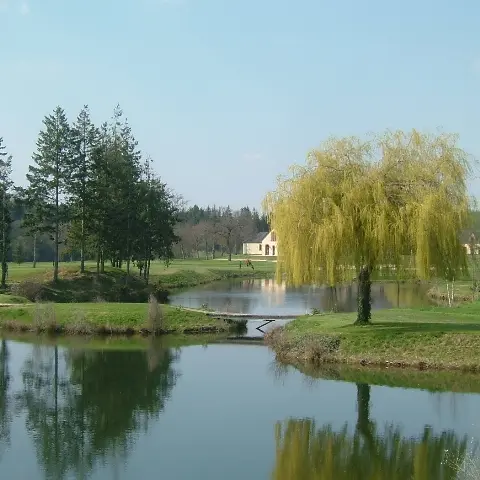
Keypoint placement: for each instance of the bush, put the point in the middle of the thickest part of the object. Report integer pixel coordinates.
(28, 289)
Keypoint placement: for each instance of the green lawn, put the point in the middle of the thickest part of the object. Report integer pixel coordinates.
(115, 318)
(25, 270)
(438, 337)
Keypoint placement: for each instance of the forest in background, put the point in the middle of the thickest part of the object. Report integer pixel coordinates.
(202, 232)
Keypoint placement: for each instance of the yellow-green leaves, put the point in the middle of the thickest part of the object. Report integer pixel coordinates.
(373, 203)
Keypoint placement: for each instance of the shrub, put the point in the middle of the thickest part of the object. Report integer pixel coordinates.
(155, 318)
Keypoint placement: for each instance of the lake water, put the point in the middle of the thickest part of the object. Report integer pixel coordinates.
(140, 410)
(265, 296)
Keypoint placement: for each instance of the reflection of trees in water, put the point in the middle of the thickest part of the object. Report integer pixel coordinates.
(5, 413)
(306, 452)
(91, 408)
(404, 295)
(344, 298)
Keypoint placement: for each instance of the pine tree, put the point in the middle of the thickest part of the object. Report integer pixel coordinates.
(157, 218)
(5, 208)
(85, 139)
(49, 175)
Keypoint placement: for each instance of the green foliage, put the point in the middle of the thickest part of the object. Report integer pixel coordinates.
(49, 178)
(18, 252)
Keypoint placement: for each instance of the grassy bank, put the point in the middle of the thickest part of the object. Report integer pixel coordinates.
(436, 338)
(116, 286)
(110, 319)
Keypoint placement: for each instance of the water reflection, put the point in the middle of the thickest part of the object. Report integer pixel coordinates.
(266, 296)
(307, 452)
(85, 406)
(5, 413)
(94, 413)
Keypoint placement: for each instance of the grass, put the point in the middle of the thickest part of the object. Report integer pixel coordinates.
(436, 337)
(24, 271)
(108, 318)
(12, 299)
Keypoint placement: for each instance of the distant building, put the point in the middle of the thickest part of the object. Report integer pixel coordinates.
(468, 248)
(263, 244)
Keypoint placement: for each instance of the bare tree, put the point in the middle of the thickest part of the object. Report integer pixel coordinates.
(184, 233)
(197, 236)
(228, 229)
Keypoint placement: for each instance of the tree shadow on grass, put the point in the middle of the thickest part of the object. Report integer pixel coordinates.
(415, 327)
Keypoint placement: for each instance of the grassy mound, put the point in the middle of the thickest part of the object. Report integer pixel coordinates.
(436, 337)
(110, 318)
(112, 286)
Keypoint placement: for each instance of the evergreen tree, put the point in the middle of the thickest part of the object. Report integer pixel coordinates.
(5, 208)
(48, 178)
(157, 219)
(85, 139)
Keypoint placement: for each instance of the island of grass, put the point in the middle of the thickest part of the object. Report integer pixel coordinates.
(103, 318)
(425, 338)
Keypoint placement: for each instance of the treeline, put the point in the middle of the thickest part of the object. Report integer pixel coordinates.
(211, 231)
(90, 195)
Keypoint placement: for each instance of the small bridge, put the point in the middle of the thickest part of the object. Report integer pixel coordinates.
(268, 318)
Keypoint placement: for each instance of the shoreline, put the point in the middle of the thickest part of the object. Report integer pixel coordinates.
(435, 339)
(112, 319)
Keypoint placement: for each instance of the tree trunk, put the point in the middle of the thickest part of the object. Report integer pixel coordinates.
(147, 268)
(102, 262)
(35, 250)
(55, 263)
(364, 426)
(229, 255)
(4, 246)
(364, 298)
(206, 250)
(82, 242)
(98, 260)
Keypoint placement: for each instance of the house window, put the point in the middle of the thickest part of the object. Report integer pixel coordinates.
(273, 237)
(260, 247)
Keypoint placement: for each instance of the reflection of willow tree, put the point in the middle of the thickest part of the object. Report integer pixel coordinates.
(305, 452)
(338, 299)
(96, 411)
(404, 295)
(5, 415)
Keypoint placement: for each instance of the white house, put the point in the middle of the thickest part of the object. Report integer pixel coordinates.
(468, 248)
(264, 244)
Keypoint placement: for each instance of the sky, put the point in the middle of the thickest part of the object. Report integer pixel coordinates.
(225, 95)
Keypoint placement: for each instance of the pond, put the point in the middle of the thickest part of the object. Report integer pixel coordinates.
(265, 296)
(259, 296)
(136, 409)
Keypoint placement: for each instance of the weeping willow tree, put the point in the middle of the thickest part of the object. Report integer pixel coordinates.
(396, 202)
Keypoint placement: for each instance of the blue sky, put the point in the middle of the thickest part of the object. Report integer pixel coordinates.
(225, 95)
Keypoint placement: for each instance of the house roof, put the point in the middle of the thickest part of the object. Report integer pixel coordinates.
(258, 238)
